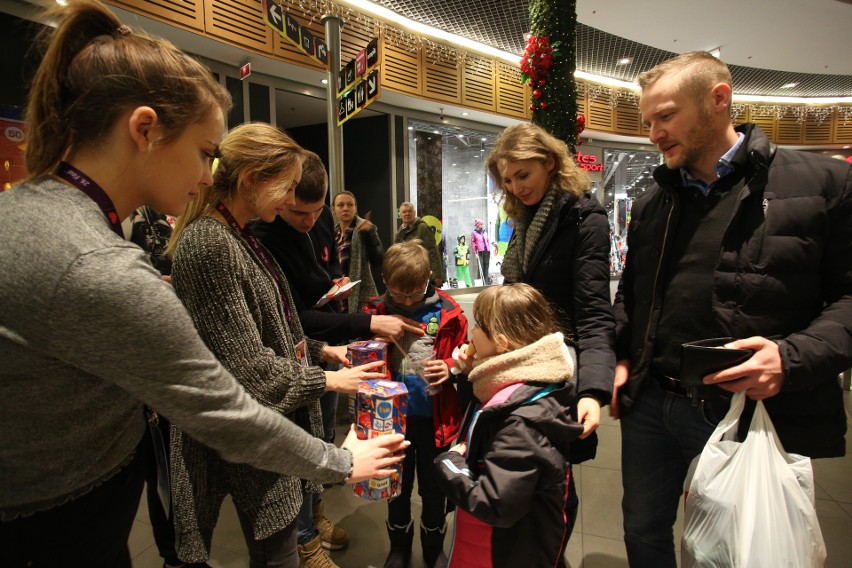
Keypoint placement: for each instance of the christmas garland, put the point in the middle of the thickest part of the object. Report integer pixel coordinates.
(535, 67)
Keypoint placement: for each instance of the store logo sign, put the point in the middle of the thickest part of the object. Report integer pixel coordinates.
(588, 162)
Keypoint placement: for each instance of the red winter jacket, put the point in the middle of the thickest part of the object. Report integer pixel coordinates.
(452, 332)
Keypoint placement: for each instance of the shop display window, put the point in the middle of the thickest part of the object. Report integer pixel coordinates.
(627, 175)
(451, 190)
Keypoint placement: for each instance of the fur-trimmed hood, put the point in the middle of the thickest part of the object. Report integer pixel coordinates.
(548, 360)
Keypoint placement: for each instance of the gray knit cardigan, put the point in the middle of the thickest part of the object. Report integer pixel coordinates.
(238, 311)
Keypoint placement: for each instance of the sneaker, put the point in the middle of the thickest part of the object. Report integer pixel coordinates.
(311, 555)
(331, 536)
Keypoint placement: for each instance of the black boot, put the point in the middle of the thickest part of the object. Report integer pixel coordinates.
(401, 537)
(432, 540)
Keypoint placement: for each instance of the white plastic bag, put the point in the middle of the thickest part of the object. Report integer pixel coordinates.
(750, 504)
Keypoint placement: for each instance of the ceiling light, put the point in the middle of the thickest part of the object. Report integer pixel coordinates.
(625, 61)
(324, 81)
(788, 85)
(465, 113)
(435, 132)
(483, 139)
(411, 128)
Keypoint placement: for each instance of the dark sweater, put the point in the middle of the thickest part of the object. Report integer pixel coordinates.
(687, 313)
(310, 263)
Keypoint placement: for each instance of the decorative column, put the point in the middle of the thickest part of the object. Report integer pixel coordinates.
(552, 29)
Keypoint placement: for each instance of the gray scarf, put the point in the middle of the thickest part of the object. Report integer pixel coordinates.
(526, 237)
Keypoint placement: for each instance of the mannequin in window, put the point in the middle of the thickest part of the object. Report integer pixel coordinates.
(462, 253)
(481, 247)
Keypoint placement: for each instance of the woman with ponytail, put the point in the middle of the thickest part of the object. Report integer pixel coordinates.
(240, 302)
(116, 120)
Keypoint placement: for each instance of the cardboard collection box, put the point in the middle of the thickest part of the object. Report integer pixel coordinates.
(380, 408)
(363, 352)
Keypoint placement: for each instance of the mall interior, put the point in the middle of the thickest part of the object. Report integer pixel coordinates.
(430, 105)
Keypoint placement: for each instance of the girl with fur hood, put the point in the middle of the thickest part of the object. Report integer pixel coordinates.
(510, 475)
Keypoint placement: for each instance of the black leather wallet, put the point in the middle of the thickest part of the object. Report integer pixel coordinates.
(701, 358)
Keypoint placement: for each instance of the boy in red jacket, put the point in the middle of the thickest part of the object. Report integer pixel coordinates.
(433, 420)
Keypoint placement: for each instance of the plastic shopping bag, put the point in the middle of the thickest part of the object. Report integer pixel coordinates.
(750, 504)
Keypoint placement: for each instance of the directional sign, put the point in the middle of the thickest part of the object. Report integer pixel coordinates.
(341, 82)
(350, 73)
(273, 16)
(307, 41)
(341, 111)
(358, 82)
(361, 94)
(321, 51)
(361, 63)
(292, 29)
(350, 103)
(373, 85)
(289, 28)
(372, 53)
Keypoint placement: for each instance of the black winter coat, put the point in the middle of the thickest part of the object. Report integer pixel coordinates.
(784, 271)
(514, 476)
(570, 267)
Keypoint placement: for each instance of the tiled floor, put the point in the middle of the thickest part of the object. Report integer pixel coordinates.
(597, 540)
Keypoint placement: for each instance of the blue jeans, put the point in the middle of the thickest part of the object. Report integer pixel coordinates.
(660, 436)
(305, 519)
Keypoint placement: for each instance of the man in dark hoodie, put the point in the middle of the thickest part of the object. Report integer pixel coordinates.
(302, 241)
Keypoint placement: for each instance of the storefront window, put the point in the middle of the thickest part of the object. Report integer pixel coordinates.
(452, 191)
(627, 174)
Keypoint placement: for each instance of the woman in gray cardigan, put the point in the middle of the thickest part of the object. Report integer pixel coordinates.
(240, 302)
(82, 335)
(358, 248)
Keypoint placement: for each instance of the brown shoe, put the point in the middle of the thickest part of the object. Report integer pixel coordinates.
(311, 555)
(331, 536)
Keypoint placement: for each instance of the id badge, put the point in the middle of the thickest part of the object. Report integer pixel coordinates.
(302, 353)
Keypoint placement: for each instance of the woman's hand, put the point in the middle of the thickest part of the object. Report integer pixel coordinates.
(346, 380)
(588, 414)
(459, 448)
(374, 457)
(335, 354)
(365, 224)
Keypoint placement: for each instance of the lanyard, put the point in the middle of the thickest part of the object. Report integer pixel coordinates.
(255, 246)
(95, 192)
